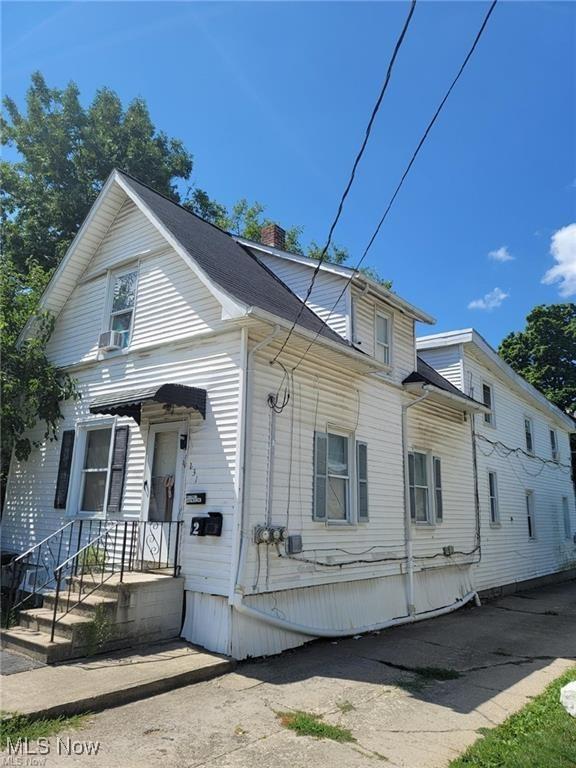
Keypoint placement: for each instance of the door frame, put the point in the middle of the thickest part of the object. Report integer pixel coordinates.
(180, 428)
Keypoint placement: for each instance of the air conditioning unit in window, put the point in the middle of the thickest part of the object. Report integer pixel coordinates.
(110, 340)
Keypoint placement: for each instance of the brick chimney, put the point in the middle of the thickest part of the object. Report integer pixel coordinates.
(274, 236)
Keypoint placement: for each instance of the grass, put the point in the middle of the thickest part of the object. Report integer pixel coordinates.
(308, 724)
(541, 735)
(14, 726)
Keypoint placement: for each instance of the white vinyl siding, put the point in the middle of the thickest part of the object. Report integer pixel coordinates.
(493, 498)
(325, 300)
(508, 554)
(566, 517)
(171, 302)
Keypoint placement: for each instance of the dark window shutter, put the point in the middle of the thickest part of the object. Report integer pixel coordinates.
(64, 467)
(118, 469)
(320, 475)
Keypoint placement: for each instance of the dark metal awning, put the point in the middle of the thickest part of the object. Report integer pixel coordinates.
(129, 403)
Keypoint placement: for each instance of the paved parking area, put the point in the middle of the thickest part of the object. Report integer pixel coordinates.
(493, 660)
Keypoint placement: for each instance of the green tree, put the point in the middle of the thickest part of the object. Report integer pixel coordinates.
(66, 153)
(32, 387)
(544, 353)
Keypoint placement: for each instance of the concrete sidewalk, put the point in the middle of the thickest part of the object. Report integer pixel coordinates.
(494, 660)
(108, 681)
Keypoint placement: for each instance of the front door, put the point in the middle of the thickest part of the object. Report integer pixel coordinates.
(163, 490)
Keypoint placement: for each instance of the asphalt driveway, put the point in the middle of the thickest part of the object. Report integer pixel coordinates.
(414, 696)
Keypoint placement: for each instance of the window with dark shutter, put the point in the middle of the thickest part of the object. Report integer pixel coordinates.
(118, 470)
(64, 466)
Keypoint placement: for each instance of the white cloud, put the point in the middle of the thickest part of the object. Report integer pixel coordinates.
(501, 254)
(563, 249)
(491, 300)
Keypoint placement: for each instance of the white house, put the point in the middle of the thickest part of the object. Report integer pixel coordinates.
(309, 474)
(523, 458)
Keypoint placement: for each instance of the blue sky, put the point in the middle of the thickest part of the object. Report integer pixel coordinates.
(272, 98)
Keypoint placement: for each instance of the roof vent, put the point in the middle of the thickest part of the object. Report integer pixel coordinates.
(274, 236)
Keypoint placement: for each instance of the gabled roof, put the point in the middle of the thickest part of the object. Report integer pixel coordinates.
(491, 357)
(233, 268)
(348, 273)
(425, 374)
(232, 272)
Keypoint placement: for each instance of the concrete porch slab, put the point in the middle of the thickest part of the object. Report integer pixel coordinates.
(108, 681)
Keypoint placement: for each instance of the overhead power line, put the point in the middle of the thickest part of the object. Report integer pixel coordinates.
(405, 174)
(353, 172)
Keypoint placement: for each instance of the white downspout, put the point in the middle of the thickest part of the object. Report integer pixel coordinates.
(247, 358)
(408, 538)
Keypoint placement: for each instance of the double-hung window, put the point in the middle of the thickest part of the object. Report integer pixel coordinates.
(530, 514)
(493, 496)
(383, 337)
(123, 290)
(425, 483)
(95, 470)
(336, 466)
(554, 445)
(488, 400)
(529, 434)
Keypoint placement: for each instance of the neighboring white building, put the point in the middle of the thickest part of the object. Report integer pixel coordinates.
(220, 394)
(524, 468)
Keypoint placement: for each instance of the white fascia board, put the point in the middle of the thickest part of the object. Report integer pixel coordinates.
(356, 278)
(471, 336)
(461, 403)
(447, 339)
(360, 357)
(231, 306)
(68, 256)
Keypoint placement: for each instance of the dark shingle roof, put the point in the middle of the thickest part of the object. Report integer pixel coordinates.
(232, 267)
(425, 374)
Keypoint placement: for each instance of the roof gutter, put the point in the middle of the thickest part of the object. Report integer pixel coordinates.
(343, 348)
(464, 403)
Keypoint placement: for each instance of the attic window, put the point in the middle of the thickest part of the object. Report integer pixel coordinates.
(123, 291)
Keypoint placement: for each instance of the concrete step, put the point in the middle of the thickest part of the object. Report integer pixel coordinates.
(36, 644)
(68, 625)
(131, 579)
(86, 606)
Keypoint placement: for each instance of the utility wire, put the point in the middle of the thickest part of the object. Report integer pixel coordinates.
(401, 182)
(352, 174)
